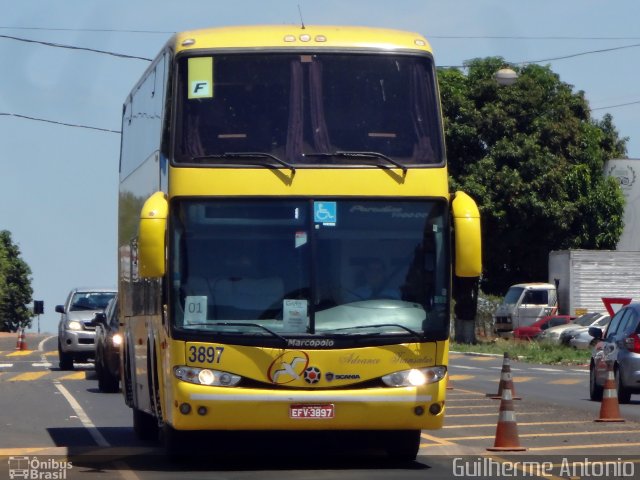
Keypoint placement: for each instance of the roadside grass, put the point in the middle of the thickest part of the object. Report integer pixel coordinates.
(528, 351)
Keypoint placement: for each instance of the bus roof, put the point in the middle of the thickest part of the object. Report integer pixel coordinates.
(313, 36)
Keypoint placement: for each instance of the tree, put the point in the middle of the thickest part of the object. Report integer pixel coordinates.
(533, 159)
(15, 286)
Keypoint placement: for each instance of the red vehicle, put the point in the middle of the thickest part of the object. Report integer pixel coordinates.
(537, 327)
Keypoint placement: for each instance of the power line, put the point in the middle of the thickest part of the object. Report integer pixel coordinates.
(26, 117)
(589, 52)
(71, 47)
(563, 57)
(616, 106)
(444, 37)
(122, 55)
(523, 37)
(106, 30)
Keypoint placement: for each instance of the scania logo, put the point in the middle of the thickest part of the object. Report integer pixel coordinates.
(330, 376)
(288, 367)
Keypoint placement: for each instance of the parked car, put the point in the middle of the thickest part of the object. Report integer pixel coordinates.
(76, 332)
(552, 334)
(579, 337)
(539, 326)
(619, 347)
(107, 346)
(567, 334)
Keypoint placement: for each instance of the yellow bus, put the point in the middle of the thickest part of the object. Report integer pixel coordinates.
(287, 239)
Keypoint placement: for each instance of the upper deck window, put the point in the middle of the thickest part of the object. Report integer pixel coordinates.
(308, 109)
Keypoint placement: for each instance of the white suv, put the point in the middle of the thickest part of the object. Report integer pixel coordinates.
(76, 334)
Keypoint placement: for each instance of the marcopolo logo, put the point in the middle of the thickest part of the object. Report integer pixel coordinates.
(37, 468)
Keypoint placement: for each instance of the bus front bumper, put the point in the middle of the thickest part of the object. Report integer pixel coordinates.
(196, 407)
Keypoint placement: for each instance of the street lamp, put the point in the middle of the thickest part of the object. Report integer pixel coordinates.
(506, 76)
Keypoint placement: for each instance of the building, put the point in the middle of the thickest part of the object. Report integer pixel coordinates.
(627, 172)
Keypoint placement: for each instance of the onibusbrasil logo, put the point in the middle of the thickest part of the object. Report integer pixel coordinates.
(38, 468)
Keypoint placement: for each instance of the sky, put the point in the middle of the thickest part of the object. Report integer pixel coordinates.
(59, 184)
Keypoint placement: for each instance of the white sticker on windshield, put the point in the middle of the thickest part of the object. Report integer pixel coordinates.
(195, 309)
(301, 239)
(295, 315)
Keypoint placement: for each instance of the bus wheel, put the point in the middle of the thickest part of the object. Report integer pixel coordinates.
(145, 426)
(402, 445)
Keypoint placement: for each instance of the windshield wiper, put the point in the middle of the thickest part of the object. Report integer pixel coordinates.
(350, 154)
(407, 329)
(248, 155)
(256, 325)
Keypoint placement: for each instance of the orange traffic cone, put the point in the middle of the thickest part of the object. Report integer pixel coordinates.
(506, 380)
(609, 407)
(507, 429)
(21, 345)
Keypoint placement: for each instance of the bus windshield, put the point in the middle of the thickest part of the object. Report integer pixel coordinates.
(322, 268)
(313, 109)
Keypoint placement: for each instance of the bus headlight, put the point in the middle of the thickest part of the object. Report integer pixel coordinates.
(206, 376)
(415, 377)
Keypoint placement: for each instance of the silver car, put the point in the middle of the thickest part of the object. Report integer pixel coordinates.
(578, 337)
(618, 346)
(76, 333)
(552, 335)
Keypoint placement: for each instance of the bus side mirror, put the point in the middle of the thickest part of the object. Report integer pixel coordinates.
(466, 224)
(151, 236)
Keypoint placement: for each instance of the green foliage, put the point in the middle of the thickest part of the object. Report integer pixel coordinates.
(533, 159)
(15, 286)
(529, 351)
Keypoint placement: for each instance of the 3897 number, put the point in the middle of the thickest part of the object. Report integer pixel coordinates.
(202, 354)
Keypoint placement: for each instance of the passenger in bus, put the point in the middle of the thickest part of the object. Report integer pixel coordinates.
(375, 284)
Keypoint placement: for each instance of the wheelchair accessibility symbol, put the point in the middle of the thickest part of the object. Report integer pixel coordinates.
(325, 212)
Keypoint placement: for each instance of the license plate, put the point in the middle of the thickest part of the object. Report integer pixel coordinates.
(312, 411)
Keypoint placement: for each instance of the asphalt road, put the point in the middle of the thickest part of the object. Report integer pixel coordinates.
(50, 418)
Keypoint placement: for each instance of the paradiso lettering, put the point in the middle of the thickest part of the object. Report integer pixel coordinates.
(395, 212)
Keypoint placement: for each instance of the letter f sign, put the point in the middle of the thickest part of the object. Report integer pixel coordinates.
(200, 88)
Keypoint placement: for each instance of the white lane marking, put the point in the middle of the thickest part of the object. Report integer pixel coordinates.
(554, 370)
(122, 468)
(6, 365)
(41, 344)
(465, 367)
(82, 416)
(44, 361)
